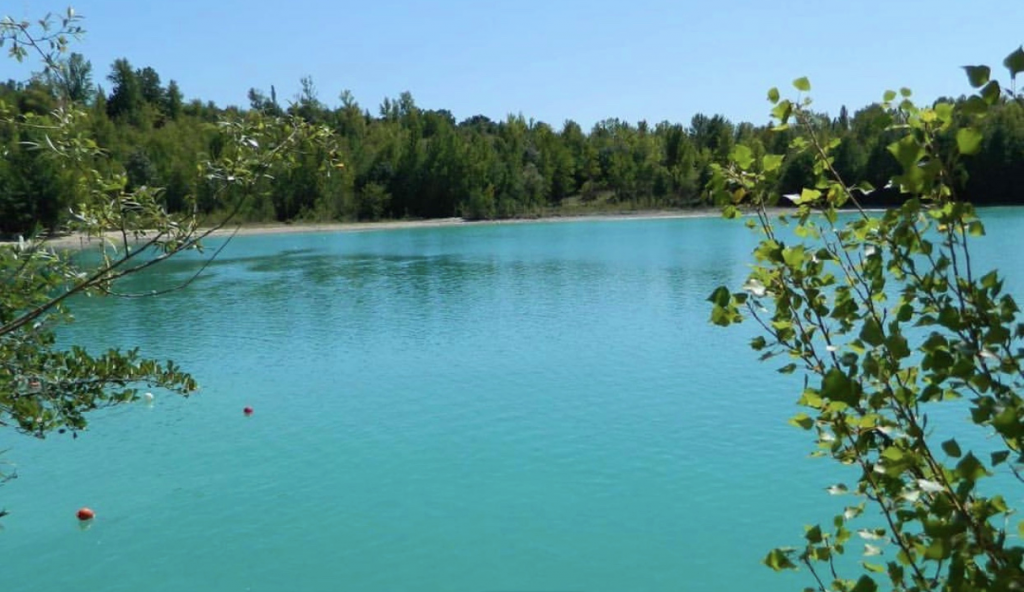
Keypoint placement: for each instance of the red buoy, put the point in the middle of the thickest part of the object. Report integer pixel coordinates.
(85, 514)
(247, 411)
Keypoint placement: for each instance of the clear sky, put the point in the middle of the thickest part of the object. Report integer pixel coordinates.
(550, 60)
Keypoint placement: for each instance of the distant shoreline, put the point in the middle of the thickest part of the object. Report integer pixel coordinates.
(79, 241)
(300, 228)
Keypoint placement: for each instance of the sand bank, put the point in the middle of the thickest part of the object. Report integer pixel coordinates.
(73, 240)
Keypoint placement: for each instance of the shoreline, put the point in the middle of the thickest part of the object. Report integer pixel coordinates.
(314, 227)
(78, 240)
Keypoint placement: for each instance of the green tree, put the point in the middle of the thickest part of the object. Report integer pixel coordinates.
(140, 171)
(77, 78)
(885, 315)
(173, 101)
(149, 86)
(261, 102)
(126, 98)
(372, 202)
(307, 105)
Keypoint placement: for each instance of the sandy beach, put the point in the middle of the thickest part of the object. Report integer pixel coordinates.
(75, 241)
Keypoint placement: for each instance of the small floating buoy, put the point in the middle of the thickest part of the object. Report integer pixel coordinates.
(148, 398)
(247, 410)
(86, 514)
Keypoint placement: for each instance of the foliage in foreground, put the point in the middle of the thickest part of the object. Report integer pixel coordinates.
(45, 387)
(885, 316)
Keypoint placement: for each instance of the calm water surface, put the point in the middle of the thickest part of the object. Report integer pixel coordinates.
(528, 407)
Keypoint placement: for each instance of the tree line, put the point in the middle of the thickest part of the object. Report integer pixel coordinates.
(408, 162)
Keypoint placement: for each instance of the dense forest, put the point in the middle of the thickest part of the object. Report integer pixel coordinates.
(408, 162)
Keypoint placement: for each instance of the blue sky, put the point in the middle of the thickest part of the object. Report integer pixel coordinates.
(552, 60)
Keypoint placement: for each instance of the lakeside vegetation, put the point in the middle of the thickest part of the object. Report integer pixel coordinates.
(884, 316)
(402, 161)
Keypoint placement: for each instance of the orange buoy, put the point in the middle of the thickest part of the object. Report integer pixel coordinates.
(247, 411)
(85, 514)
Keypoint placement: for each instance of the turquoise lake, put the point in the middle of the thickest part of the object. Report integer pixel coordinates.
(534, 407)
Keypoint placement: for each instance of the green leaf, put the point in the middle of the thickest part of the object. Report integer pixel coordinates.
(906, 92)
(873, 567)
(893, 453)
(772, 162)
(810, 398)
(724, 316)
(1015, 62)
(782, 111)
(974, 105)
(778, 559)
(888, 96)
(978, 75)
(970, 468)
(773, 95)
(837, 386)
(808, 196)
(907, 152)
(802, 84)
(871, 333)
(939, 549)
(904, 313)
(1007, 423)
(742, 156)
(794, 257)
(865, 584)
(720, 297)
(968, 140)
(897, 345)
(865, 187)
(951, 448)
(802, 420)
(991, 92)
